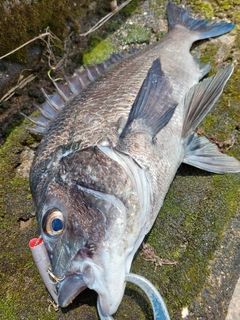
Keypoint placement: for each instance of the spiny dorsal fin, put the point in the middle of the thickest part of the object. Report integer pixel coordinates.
(153, 106)
(201, 97)
(65, 92)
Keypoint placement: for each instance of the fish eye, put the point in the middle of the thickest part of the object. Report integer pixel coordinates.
(55, 223)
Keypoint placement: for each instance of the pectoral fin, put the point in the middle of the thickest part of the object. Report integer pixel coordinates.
(201, 153)
(201, 98)
(153, 107)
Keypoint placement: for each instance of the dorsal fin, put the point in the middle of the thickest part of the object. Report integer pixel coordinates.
(153, 106)
(65, 92)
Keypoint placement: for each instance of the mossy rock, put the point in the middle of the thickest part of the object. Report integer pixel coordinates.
(20, 22)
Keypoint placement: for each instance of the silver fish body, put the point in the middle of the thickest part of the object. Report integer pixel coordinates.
(108, 158)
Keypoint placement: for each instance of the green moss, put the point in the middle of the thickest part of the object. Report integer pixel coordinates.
(7, 311)
(159, 34)
(228, 107)
(208, 53)
(158, 7)
(93, 41)
(204, 8)
(114, 25)
(31, 139)
(99, 53)
(18, 275)
(11, 309)
(10, 184)
(223, 4)
(132, 7)
(12, 144)
(137, 34)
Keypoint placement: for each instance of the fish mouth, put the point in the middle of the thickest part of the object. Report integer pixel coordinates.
(74, 283)
(110, 290)
(69, 289)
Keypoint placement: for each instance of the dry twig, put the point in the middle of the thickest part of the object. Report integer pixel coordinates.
(105, 19)
(149, 255)
(20, 85)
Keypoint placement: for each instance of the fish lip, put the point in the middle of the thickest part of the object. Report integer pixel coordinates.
(69, 288)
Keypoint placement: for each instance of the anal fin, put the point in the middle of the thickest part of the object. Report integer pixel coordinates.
(201, 153)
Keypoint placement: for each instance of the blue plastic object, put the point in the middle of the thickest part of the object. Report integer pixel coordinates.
(159, 308)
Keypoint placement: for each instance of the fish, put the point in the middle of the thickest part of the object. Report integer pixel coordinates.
(113, 139)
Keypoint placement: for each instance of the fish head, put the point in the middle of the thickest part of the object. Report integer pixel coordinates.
(83, 234)
(91, 210)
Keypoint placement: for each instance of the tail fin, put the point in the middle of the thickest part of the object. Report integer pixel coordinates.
(202, 28)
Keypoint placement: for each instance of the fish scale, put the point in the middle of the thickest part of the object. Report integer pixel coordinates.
(107, 159)
(115, 93)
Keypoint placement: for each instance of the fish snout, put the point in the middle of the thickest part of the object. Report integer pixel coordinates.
(110, 288)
